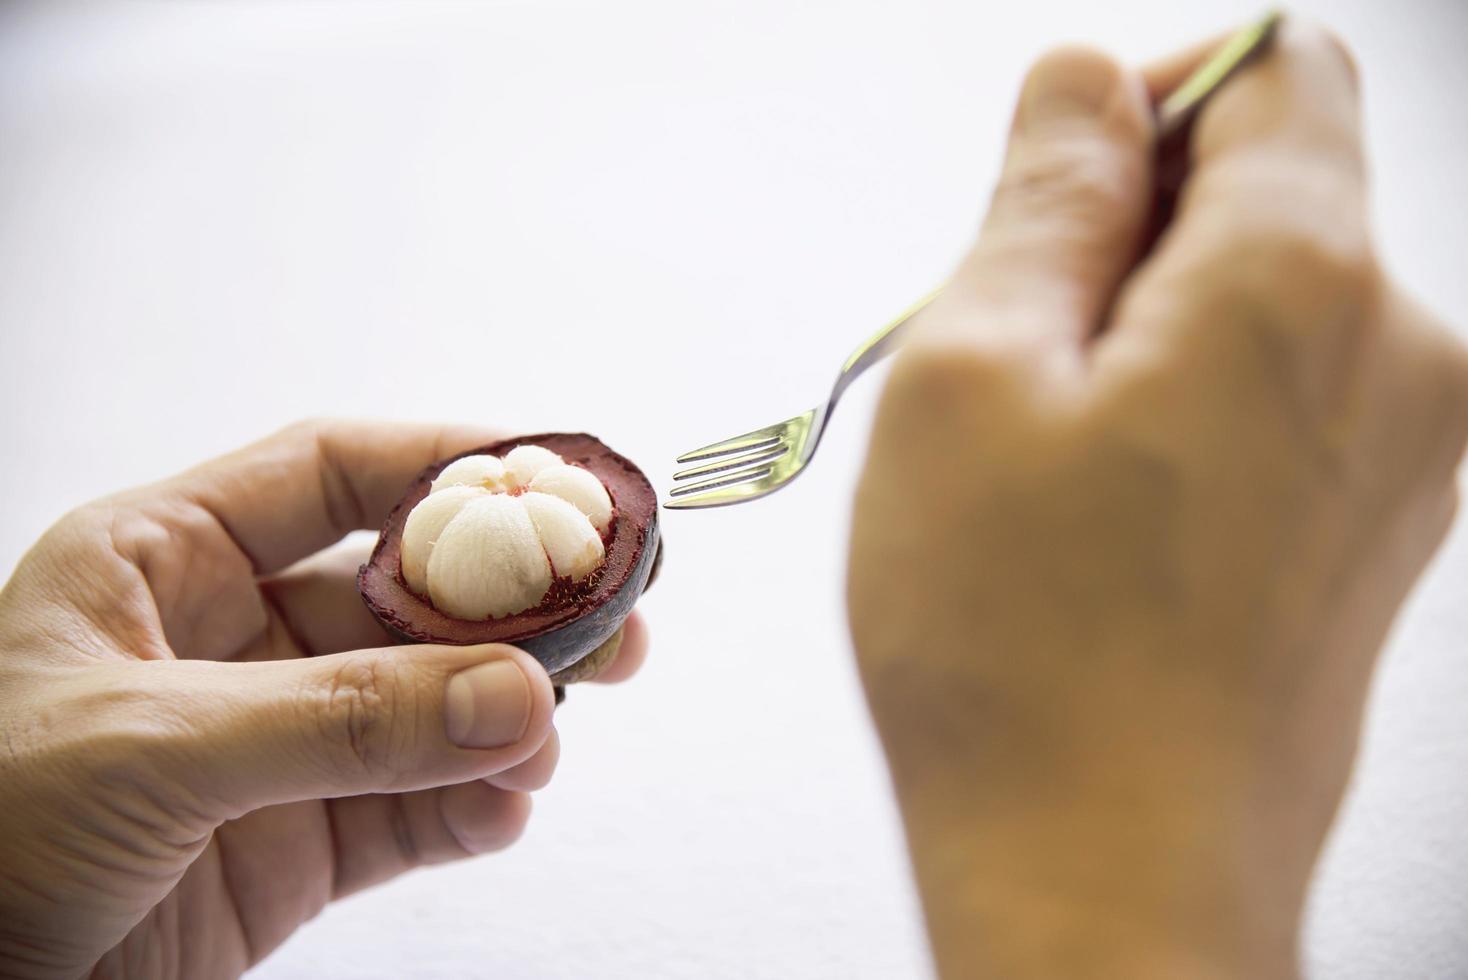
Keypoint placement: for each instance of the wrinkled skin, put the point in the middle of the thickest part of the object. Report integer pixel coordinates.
(206, 739)
(1170, 507)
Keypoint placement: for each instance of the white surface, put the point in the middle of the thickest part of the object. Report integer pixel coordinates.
(217, 218)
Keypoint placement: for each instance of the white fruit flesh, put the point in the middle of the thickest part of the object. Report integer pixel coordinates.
(474, 471)
(423, 527)
(571, 543)
(579, 487)
(478, 546)
(524, 462)
(488, 562)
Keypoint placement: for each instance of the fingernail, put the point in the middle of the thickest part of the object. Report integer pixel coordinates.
(1070, 84)
(487, 706)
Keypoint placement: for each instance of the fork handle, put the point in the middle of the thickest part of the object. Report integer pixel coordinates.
(877, 346)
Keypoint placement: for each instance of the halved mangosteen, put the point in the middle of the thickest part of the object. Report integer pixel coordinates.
(543, 541)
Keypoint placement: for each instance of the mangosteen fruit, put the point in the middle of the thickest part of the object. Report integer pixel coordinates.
(543, 541)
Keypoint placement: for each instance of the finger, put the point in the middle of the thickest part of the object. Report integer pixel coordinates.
(1274, 203)
(1068, 212)
(630, 656)
(318, 602)
(535, 772)
(244, 735)
(305, 487)
(376, 838)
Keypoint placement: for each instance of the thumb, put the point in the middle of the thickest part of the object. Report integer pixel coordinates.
(1073, 198)
(247, 735)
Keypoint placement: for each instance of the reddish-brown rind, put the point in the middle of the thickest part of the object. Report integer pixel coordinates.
(572, 621)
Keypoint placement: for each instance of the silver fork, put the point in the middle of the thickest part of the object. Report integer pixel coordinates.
(762, 461)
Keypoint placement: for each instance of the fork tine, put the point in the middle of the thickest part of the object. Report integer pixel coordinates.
(765, 454)
(757, 439)
(721, 497)
(715, 493)
(746, 475)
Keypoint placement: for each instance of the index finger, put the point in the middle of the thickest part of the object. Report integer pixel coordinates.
(307, 486)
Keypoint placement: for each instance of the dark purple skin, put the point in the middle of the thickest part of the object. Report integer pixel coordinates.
(573, 620)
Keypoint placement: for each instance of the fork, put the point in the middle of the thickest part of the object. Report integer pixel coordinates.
(759, 462)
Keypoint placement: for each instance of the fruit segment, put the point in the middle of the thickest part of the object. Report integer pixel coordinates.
(493, 534)
(524, 462)
(579, 487)
(488, 561)
(424, 526)
(487, 472)
(573, 546)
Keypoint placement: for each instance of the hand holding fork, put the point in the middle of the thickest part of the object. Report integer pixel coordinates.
(761, 461)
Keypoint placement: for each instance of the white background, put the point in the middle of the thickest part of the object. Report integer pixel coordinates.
(661, 221)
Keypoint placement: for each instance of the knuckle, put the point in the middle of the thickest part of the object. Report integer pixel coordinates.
(304, 432)
(946, 362)
(1455, 370)
(943, 374)
(1309, 281)
(987, 390)
(1315, 44)
(79, 539)
(1074, 67)
(320, 436)
(82, 525)
(308, 431)
(978, 344)
(363, 715)
(142, 528)
(1450, 352)
(304, 428)
(1321, 264)
(1448, 357)
(1062, 184)
(1344, 55)
(1081, 156)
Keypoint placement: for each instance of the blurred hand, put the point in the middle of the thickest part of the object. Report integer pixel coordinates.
(191, 766)
(1130, 535)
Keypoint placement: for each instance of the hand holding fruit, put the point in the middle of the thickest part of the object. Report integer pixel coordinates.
(207, 736)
